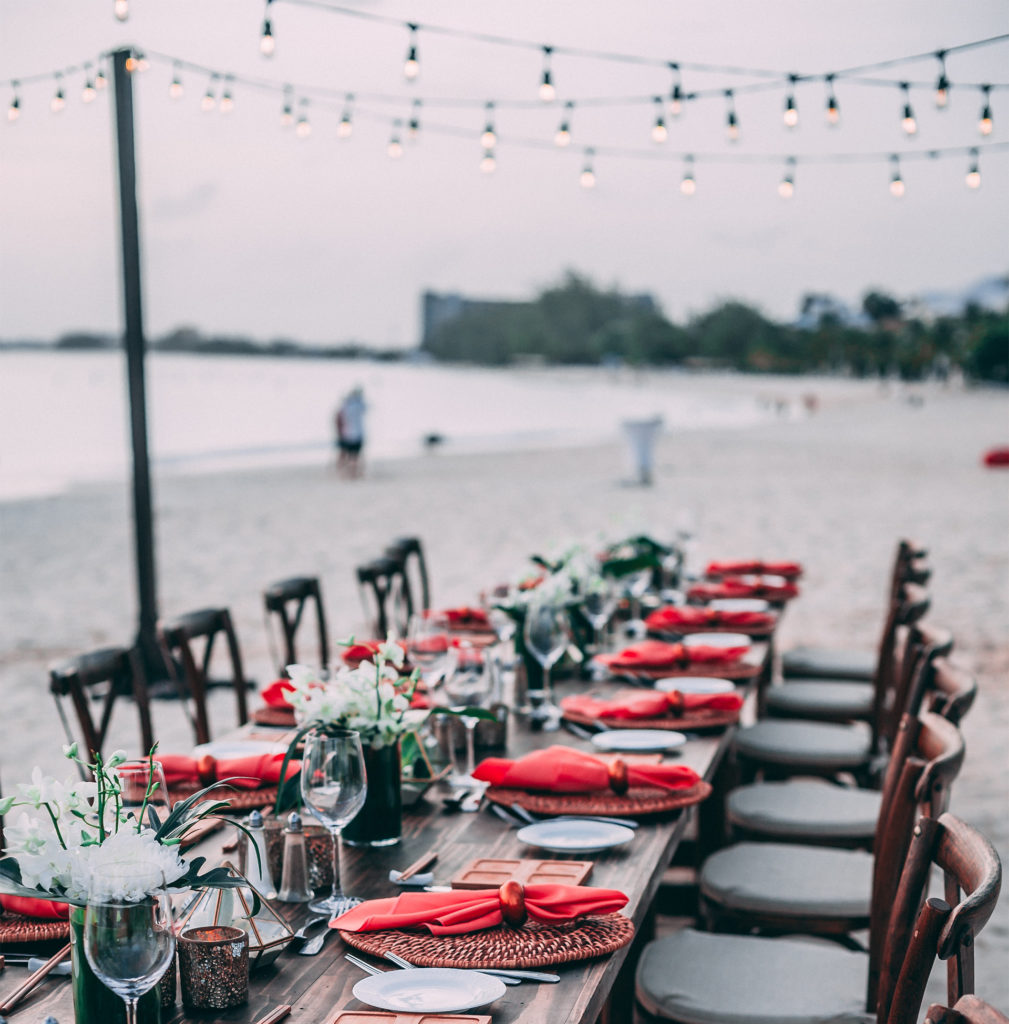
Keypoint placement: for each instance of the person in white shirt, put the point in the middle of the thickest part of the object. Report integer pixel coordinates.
(350, 434)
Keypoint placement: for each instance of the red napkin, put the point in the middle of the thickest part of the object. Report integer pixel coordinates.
(676, 616)
(791, 570)
(565, 770)
(275, 695)
(364, 651)
(249, 772)
(654, 654)
(465, 617)
(732, 586)
(471, 910)
(650, 704)
(46, 910)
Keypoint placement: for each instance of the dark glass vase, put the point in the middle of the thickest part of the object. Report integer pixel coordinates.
(380, 820)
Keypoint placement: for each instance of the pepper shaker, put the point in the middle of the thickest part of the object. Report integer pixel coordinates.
(294, 887)
(258, 868)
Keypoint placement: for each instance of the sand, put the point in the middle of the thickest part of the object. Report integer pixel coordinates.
(835, 491)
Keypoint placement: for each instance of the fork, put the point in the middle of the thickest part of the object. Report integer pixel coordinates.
(310, 923)
(509, 977)
(313, 945)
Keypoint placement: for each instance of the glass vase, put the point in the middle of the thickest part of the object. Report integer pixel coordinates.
(380, 820)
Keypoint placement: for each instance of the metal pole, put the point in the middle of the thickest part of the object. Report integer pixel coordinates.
(134, 343)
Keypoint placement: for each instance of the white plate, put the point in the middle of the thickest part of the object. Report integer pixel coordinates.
(235, 748)
(429, 990)
(739, 604)
(695, 684)
(575, 836)
(716, 640)
(642, 741)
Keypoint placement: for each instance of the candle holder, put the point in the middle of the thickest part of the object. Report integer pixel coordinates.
(214, 967)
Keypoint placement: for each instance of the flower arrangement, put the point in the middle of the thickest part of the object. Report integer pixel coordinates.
(84, 846)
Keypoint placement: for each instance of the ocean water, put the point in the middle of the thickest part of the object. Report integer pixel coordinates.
(64, 418)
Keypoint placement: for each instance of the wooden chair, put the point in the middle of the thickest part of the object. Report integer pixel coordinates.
(693, 976)
(846, 663)
(815, 889)
(285, 601)
(968, 1010)
(816, 812)
(180, 639)
(410, 552)
(107, 675)
(385, 596)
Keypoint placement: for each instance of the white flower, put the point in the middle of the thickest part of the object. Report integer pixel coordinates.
(392, 652)
(41, 790)
(128, 866)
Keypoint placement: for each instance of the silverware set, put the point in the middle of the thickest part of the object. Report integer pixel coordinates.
(518, 815)
(509, 977)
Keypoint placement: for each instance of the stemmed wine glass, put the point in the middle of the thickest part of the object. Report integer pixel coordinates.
(129, 945)
(333, 786)
(429, 646)
(143, 792)
(598, 604)
(469, 686)
(546, 634)
(636, 585)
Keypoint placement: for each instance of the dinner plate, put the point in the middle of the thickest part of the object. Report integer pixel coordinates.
(716, 640)
(575, 836)
(695, 684)
(236, 748)
(429, 990)
(739, 604)
(641, 741)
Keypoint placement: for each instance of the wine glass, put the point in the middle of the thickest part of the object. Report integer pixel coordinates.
(546, 635)
(597, 606)
(333, 786)
(143, 792)
(636, 585)
(429, 647)
(469, 686)
(130, 945)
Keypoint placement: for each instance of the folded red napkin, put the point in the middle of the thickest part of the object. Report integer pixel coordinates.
(249, 772)
(363, 651)
(565, 770)
(471, 910)
(275, 695)
(732, 586)
(44, 910)
(654, 654)
(675, 616)
(465, 617)
(650, 704)
(791, 570)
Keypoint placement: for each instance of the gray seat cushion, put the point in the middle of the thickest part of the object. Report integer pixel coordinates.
(829, 663)
(699, 978)
(805, 810)
(810, 698)
(798, 744)
(794, 881)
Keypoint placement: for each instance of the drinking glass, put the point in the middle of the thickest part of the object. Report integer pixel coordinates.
(469, 686)
(429, 646)
(143, 792)
(129, 945)
(546, 634)
(636, 585)
(333, 786)
(598, 605)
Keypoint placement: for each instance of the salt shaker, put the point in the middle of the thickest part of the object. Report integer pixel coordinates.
(258, 868)
(294, 887)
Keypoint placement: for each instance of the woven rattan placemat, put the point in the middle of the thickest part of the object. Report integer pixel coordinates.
(240, 799)
(14, 928)
(636, 802)
(273, 716)
(696, 721)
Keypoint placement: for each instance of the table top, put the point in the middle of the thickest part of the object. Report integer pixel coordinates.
(318, 986)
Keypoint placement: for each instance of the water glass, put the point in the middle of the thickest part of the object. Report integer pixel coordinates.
(546, 633)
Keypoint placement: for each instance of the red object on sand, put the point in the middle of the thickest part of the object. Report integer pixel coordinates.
(996, 457)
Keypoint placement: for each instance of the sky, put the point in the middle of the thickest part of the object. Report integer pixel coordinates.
(248, 229)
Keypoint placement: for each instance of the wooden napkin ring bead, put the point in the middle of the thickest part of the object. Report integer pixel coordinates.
(206, 768)
(513, 904)
(618, 776)
(675, 701)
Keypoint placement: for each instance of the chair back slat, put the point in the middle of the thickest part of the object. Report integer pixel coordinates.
(410, 551)
(379, 582)
(286, 601)
(952, 689)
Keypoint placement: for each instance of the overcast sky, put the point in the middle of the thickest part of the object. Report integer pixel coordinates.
(248, 229)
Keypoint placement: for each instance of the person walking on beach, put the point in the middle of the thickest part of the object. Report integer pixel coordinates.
(350, 434)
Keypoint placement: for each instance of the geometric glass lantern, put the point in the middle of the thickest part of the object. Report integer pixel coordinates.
(269, 934)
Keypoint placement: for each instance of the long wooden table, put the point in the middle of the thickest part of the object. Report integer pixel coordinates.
(318, 986)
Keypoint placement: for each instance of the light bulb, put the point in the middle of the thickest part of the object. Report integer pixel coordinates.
(659, 132)
(942, 82)
(121, 9)
(100, 80)
(833, 110)
(412, 67)
(897, 187)
(587, 179)
(547, 90)
(974, 177)
(175, 89)
(208, 102)
(413, 128)
(304, 127)
(132, 64)
(676, 100)
(563, 135)
(89, 92)
(227, 103)
(395, 148)
(688, 186)
(487, 162)
(345, 128)
(489, 136)
(909, 124)
(791, 116)
(14, 110)
(986, 123)
(58, 102)
(786, 188)
(143, 64)
(732, 127)
(267, 44)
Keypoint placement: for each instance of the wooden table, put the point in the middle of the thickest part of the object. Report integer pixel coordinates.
(317, 986)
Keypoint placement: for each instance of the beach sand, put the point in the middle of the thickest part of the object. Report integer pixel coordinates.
(835, 491)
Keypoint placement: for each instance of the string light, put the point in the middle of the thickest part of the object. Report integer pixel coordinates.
(488, 164)
(304, 127)
(731, 121)
(14, 110)
(412, 66)
(287, 111)
(896, 181)
(89, 92)
(100, 80)
(547, 91)
(942, 82)
(58, 102)
(688, 186)
(413, 125)
(121, 9)
(395, 147)
(974, 171)
(676, 92)
(227, 102)
(563, 135)
(267, 44)
(659, 132)
(986, 124)
(143, 64)
(175, 89)
(132, 64)
(587, 179)
(209, 100)
(786, 187)
(489, 136)
(345, 128)
(909, 124)
(791, 112)
(833, 110)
